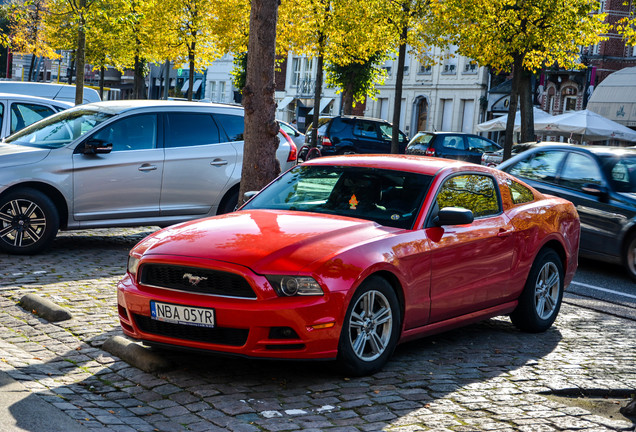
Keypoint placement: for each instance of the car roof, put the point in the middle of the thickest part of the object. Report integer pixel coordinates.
(600, 150)
(120, 106)
(35, 99)
(399, 162)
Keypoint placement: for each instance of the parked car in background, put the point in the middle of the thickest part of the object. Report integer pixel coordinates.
(351, 134)
(59, 92)
(600, 181)
(294, 134)
(492, 159)
(343, 258)
(18, 111)
(120, 163)
(451, 145)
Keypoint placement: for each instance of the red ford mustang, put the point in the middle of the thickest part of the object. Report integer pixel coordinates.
(345, 257)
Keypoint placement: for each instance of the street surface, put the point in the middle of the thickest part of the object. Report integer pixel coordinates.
(485, 377)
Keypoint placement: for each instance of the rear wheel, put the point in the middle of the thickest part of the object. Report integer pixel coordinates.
(229, 202)
(629, 256)
(540, 300)
(28, 222)
(371, 328)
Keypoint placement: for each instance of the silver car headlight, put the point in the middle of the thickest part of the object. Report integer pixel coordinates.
(288, 286)
(133, 265)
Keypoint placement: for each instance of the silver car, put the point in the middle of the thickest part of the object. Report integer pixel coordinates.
(19, 111)
(120, 163)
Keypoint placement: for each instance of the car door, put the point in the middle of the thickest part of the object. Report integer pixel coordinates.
(200, 160)
(471, 263)
(122, 184)
(367, 138)
(601, 220)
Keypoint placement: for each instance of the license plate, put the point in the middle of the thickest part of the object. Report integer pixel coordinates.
(194, 316)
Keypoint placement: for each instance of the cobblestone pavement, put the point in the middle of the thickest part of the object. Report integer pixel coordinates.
(486, 377)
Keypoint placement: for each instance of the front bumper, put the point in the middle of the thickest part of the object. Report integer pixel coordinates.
(266, 327)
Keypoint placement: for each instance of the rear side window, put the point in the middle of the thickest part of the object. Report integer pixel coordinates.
(337, 126)
(365, 129)
(578, 170)
(453, 142)
(519, 193)
(191, 129)
(474, 192)
(542, 166)
(232, 126)
(24, 114)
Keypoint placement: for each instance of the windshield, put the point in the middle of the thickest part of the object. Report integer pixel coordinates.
(390, 198)
(621, 171)
(59, 129)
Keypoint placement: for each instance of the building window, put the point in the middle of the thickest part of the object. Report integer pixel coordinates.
(212, 90)
(222, 91)
(470, 67)
(569, 103)
(296, 65)
(424, 69)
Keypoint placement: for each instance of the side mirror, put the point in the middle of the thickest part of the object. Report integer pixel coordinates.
(453, 216)
(593, 189)
(249, 195)
(97, 146)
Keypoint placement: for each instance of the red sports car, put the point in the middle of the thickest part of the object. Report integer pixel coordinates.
(345, 257)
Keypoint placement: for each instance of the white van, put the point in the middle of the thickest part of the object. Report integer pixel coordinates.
(61, 92)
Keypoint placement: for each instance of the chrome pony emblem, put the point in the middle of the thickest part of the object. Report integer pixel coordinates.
(194, 280)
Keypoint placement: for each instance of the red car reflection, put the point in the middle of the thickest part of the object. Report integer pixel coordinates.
(345, 257)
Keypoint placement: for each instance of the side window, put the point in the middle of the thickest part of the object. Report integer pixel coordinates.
(365, 129)
(386, 131)
(481, 145)
(578, 170)
(623, 175)
(540, 166)
(475, 192)
(191, 129)
(232, 127)
(131, 133)
(519, 193)
(23, 114)
(453, 142)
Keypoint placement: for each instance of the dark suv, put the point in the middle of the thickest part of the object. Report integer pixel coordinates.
(351, 134)
(451, 145)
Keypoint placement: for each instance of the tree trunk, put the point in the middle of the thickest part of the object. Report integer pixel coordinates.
(525, 101)
(80, 58)
(70, 69)
(102, 71)
(31, 67)
(397, 105)
(317, 91)
(260, 165)
(139, 85)
(512, 107)
(191, 72)
(167, 79)
(347, 97)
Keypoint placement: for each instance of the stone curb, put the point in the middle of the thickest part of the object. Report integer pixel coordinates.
(44, 308)
(135, 354)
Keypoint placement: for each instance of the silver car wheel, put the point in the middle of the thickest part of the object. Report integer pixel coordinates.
(22, 222)
(546, 292)
(631, 257)
(370, 325)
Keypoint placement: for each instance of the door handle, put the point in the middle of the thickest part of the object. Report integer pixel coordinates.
(218, 162)
(504, 233)
(147, 167)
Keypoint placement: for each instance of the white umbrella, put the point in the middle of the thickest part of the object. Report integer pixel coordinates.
(499, 123)
(590, 125)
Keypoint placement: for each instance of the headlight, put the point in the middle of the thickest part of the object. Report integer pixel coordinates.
(133, 265)
(287, 286)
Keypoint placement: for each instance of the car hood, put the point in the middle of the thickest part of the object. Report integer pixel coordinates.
(12, 155)
(264, 239)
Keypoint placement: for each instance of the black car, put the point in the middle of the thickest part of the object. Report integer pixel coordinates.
(451, 145)
(351, 134)
(600, 181)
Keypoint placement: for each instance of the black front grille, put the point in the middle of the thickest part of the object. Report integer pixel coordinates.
(215, 335)
(196, 280)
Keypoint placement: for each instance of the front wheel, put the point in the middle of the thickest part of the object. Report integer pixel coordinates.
(629, 256)
(371, 328)
(28, 222)
(541, 297)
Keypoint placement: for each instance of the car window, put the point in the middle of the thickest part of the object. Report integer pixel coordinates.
(191, 129)
(622, 173)
(365, 129)
(453, 142)
(480, 145)
(578, 170)
(475, 192)
(519, 193)
(24, 114)
(289, 131)
(337, 126)
(386, 131)
(422, 138)
(131, 133)
(542, 165)
(232, 126)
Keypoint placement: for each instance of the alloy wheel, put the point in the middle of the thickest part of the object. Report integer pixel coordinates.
(547, 290)
(22, 222)
(370, 325)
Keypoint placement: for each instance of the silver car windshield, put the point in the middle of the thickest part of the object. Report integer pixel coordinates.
(388, 197)
(60, 129)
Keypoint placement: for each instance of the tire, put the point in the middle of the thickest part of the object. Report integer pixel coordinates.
(541, 297)
(367, 343)
(229, 203)
(28, 222)
(629, 256)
